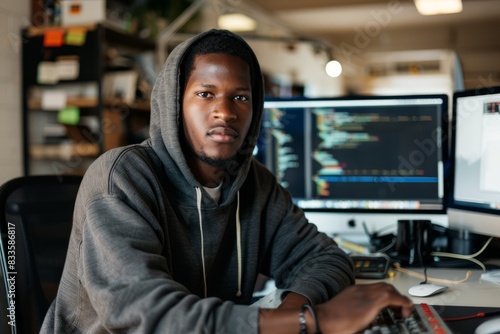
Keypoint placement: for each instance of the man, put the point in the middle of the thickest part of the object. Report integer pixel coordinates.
(170, 235)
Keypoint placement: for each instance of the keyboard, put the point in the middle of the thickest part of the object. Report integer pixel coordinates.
(424, 320)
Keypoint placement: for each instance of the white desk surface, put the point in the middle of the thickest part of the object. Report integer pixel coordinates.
(472, 292)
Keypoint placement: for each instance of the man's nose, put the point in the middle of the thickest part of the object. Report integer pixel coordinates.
(224, 110)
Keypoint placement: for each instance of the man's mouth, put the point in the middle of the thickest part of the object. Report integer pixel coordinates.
(223, 134)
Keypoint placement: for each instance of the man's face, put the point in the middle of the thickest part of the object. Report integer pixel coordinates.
(217, 107)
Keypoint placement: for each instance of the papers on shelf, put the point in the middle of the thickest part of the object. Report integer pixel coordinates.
(54, 99)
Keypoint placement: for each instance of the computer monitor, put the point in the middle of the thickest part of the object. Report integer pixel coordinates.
(475, 159)
(377, 154)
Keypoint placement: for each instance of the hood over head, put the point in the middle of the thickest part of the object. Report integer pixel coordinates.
(166, 103)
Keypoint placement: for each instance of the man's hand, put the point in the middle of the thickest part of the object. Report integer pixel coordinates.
(357, 306)
(350, 311)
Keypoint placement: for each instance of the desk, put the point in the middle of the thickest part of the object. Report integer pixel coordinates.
(461, 299)
(472, 292)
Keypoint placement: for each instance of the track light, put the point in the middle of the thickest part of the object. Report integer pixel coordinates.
(236, 22)
(436, 7)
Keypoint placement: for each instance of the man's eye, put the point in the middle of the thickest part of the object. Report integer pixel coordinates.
(203, 94)
(242, 98)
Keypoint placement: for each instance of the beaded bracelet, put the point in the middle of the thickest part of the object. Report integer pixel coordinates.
(302, 322)
(302, 319)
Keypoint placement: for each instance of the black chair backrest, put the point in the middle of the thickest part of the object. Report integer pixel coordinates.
(35, 224)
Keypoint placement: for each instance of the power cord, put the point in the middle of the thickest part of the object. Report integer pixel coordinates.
(473, 316)
(388, 247)
(376, 233)
(397, 267)
(470, 257)
(376, 240)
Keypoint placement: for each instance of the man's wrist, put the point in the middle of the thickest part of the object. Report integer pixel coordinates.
(293, 300)
(308, 320)
(302, 322)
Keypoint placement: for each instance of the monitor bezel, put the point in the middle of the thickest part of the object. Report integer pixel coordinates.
(452, 203)
(444, 148)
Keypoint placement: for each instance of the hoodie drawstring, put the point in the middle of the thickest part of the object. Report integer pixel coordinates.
(238, 241)
(198, 205)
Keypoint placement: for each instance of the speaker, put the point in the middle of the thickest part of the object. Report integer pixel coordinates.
(414, 242)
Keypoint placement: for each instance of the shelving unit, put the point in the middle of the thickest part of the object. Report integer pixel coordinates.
(52, 144)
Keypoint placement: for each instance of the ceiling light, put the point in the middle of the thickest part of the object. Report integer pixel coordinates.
(333, 68)
(435, 7)
(236, 22)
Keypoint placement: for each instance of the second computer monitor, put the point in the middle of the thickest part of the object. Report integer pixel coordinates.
(382, 153)
(475, 159)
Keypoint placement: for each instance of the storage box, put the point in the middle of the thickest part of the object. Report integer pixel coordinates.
(79, 12)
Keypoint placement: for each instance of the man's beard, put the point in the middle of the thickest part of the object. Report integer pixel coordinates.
(209, 160)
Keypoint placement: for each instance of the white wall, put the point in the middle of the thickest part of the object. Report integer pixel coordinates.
(13, 16)
(476, 44)
(301, 65)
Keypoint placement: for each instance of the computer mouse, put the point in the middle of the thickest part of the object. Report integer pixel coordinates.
(491, 326)
(426, 290)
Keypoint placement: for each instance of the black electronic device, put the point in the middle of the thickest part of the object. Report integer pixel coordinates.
(359, 153)
(423, 320)
(474, 204)
(375, 265)
(414, 242)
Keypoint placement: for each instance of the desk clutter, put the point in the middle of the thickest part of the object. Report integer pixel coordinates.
(420, 255)
(419, 243)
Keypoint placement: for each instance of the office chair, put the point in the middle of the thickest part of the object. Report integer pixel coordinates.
(38, 211)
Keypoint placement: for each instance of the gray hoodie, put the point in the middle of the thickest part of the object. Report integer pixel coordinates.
(152, 252)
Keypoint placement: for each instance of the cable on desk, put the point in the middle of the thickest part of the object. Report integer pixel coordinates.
(386, 248)
(473, 316)
(375, 234)
(397, 267)
(470, 257)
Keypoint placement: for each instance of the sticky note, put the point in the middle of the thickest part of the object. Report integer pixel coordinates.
(76, 36)
(69, 115)
(53, 38)
(68, 68)
(47, 73)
